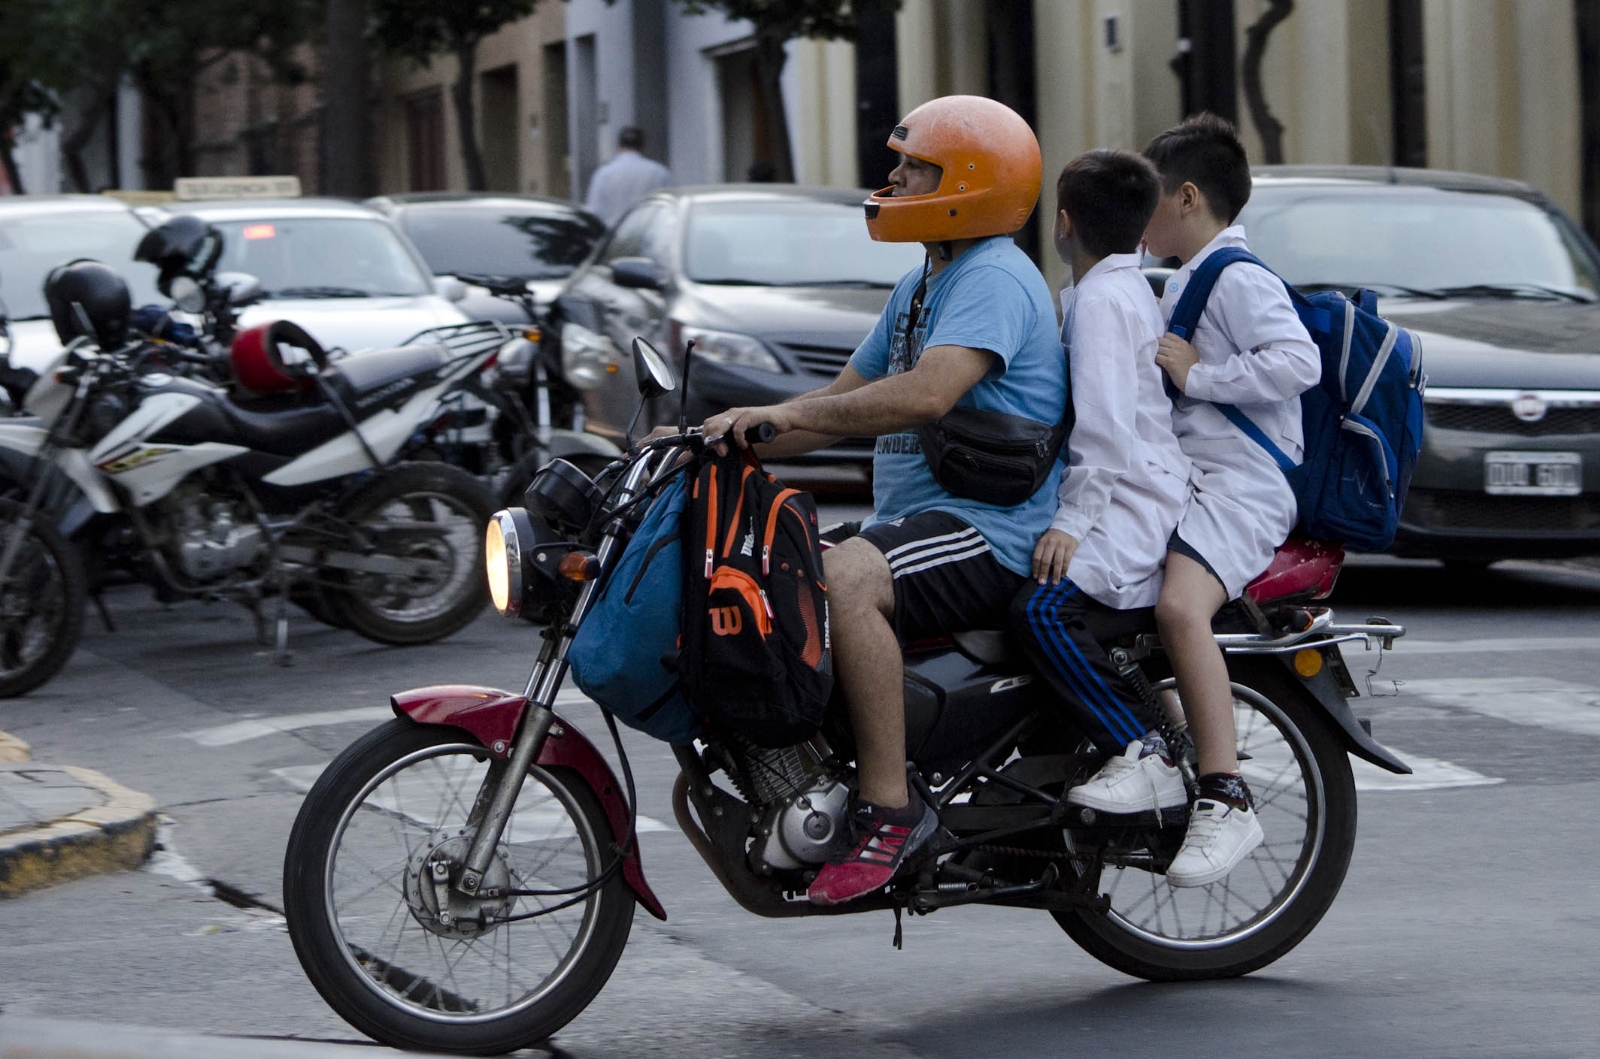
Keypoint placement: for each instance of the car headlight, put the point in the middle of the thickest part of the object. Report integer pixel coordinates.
(586, 357)
(726, 347)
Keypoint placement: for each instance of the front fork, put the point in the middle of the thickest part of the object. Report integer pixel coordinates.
(537, 719)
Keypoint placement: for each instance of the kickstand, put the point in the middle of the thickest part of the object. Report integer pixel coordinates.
(898, 936)
(105, 615)
(280, 613)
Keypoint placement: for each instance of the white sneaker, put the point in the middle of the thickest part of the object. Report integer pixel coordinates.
(1219, 837)
(1132, 784)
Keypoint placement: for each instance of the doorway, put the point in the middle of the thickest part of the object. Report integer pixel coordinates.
(746, 132)
(500, 127)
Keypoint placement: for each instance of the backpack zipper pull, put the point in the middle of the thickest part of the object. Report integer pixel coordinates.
(764, 603)
(766, 559)
(708, 563)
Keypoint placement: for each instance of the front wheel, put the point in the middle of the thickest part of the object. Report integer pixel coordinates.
(1299, 774)
(42, 603)
(431, 518)
(412, 963)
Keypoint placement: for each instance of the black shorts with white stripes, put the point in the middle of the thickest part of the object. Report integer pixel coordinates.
(945, 577)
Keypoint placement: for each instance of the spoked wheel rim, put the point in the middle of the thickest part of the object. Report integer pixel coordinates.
(445, 561)
(378, 912)
(1291, 805)
(33, 602)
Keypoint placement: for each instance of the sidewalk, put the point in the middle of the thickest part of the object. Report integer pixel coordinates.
(59, 822)
(30, 1038)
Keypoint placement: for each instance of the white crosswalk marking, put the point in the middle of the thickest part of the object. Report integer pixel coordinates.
(303, 777)
(1539, 701)
(256, 727)
(1428, 774)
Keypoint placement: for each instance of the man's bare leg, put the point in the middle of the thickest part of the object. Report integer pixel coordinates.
(867, 659)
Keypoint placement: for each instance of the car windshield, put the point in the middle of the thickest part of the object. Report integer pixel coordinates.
(791, 244)
(498, 242)
(32, 245)
(1417, 239)
(322, 257)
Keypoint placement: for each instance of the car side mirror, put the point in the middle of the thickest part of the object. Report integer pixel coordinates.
(240, 288)
(639, 273)
(1157, 276)
(651, 370)
(449, 288)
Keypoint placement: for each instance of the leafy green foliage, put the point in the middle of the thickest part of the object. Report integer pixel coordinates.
(421, 29)
(787, 19)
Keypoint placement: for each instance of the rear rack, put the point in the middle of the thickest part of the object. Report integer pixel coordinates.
(463, 340)
(1379, 633)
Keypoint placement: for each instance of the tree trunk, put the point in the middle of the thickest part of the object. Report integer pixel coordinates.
(467, 114)
(345, 153)
(770, 57)
(1269, 127)
(72, 147)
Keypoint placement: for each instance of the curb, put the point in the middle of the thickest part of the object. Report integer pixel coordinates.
(13, 751)
(115, 836)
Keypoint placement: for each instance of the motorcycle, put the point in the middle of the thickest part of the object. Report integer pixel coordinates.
(463, 878)
(540, 417)
(170, 478)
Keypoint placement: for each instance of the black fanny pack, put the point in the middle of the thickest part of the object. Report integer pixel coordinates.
(991, 456)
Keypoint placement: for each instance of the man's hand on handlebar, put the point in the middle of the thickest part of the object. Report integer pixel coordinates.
(748, 426)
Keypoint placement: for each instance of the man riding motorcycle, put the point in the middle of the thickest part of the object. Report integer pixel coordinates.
(974, 327)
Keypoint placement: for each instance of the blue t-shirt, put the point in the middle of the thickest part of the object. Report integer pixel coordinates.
(991, 297)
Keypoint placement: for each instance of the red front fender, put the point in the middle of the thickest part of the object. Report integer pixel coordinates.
(491, 716)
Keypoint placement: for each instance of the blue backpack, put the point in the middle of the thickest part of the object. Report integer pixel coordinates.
(1362, 423)
(621, 654)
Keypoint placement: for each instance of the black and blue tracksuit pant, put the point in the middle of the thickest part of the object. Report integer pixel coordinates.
(1061, 629)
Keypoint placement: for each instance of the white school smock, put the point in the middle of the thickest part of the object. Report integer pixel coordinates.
(1126, 479)
(1256, 355)
(623, 181)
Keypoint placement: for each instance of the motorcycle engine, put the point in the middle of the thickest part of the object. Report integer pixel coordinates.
(804, 804)
(213, 535)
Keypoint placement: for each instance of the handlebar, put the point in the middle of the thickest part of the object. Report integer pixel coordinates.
(760, 434)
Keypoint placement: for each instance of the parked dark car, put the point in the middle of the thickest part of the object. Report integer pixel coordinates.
(777, 285)
(525, 237)
(1504, 292)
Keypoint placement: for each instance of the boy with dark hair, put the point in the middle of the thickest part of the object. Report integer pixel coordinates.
(1250, 351)
(1124, 485)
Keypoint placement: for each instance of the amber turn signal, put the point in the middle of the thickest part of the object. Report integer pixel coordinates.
(579, 566)
(1308, 662)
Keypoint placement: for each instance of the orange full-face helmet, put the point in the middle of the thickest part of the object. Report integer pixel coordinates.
(991, 175)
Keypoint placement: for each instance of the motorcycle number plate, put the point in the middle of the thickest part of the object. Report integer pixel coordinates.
(1532, 473)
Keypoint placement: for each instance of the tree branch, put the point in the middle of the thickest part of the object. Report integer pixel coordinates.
(1268, 127)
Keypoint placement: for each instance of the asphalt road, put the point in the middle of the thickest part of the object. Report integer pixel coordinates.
(1467, 926)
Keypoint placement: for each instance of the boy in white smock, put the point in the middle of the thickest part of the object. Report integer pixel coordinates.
(1251, 351)
(1126, 480)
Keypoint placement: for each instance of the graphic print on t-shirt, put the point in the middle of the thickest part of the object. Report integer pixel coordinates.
(904, 350)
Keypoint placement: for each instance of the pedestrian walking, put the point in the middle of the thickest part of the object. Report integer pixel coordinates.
(626, 179)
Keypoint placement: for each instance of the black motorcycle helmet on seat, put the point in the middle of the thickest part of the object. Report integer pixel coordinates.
(178, 246)
(88, 298)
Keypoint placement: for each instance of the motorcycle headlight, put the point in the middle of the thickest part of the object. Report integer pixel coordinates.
(726, 347)
(587, 358)
(523, 557)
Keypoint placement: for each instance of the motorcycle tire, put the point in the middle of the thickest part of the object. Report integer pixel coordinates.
(358, 601)
(41, 620)
(339, 920)
(1148, 950)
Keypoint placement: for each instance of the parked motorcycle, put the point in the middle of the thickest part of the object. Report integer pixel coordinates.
(168, 476)
(540, 416)
(463, 878)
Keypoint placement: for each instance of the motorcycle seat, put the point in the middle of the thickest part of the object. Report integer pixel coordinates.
(356, 376)
(284, 427)
(990, 646)
(1301, 568)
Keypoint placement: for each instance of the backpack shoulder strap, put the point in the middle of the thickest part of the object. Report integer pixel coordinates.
(1186, 316)
(1192, 302)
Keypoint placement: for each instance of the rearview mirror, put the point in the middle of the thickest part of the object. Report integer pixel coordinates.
(652, 370)
(241, 288)
(186, 294)
(449, 288)
(639, 273)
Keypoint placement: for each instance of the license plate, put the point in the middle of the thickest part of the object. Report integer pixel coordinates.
(1532, 473)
